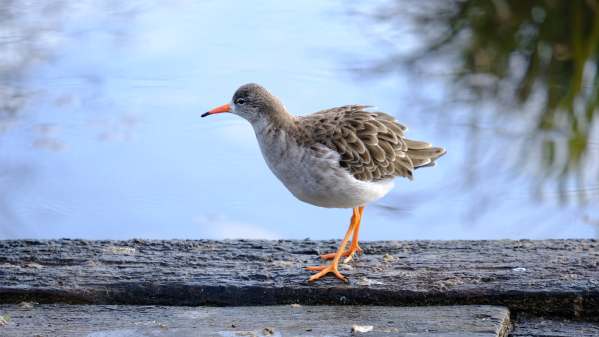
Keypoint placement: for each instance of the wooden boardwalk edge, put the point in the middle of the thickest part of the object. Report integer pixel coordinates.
(263, 321)
(549, 277)
(575, 305)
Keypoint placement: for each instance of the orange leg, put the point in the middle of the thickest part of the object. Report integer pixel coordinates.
(333, 267)
(354, 246)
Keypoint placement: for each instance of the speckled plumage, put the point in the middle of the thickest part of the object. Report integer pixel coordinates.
(343, 157)
(371, 144)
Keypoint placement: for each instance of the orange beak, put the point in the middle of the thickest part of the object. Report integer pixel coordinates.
(218, 110)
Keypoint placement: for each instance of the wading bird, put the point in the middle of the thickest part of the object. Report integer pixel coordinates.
(344, 157)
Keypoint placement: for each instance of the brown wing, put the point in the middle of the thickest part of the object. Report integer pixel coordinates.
(371, 144)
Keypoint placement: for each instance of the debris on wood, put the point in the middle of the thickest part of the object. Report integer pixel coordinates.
(120, 250)
(27, 305)
(346, 266)
(364, 281)
(4, 320)
(361, 328)
(33, 265)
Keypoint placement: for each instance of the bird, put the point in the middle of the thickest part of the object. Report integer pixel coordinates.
(343, 157)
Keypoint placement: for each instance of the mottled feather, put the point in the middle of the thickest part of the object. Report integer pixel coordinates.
(371, 144)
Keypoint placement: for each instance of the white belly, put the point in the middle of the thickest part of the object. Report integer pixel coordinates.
(315, 176)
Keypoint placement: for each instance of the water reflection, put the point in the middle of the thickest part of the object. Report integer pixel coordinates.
(21, 44)
(101, 135)
(32, 35)
(527, 70)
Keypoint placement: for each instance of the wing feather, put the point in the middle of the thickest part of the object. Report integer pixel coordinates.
(371, 145)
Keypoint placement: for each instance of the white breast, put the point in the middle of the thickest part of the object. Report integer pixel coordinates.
(314, 175)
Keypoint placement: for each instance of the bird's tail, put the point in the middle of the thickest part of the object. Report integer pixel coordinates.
(423, 154)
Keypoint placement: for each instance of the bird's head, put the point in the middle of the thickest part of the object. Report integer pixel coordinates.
(252, 102)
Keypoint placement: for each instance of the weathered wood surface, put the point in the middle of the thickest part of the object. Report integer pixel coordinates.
(556, 277)
(530, 326)
(121, 321)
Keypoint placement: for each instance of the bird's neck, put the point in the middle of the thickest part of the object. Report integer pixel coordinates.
(275, 121)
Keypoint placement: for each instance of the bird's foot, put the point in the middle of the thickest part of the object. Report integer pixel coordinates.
(353, 249)
(324, 270)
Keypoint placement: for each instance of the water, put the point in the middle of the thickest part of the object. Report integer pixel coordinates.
(101, 135)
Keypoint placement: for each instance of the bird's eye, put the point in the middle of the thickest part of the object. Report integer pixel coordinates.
(240, 101)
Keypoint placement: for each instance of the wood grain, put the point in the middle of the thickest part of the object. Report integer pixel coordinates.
(552, 277)
(531, 326)
(126, 321)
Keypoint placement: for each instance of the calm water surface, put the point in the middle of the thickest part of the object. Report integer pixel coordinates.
(101, 135)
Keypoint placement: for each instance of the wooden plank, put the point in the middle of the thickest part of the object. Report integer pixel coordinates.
(121, 321)
(557, 277)
(530, 326)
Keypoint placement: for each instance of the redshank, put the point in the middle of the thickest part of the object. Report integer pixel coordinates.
(344, 157)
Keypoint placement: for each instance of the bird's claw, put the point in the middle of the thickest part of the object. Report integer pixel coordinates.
(324, 270)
